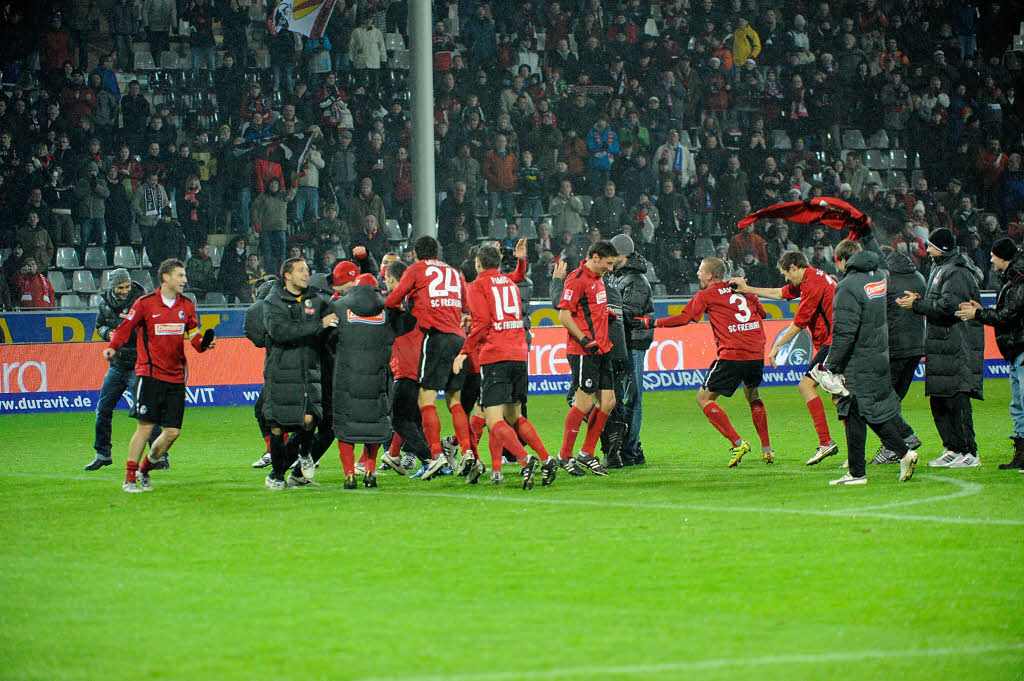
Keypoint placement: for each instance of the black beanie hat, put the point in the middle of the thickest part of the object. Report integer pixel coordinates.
(1005, 248)
(942, 239)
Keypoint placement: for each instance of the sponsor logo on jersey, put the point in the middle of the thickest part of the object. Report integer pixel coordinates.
(169, 329)
(602, 297)
(875, 289)
(353, 318)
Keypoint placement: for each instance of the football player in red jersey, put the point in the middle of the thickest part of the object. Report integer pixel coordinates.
(165, 318)
(739, 334)
(583, 311)
(497, 342)
(437, 294)
(815, 289)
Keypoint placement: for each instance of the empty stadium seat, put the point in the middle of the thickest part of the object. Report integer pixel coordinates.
(394, 41)
(67, 258)
(57, 281)
(216, 253)
(527, 228)
(652, 275)
(71, 301)
(704, 247)
(144, 61)
(95, 300)
(780, 140)
(898, 159)
(875, 176)
(214, 298)
(854, 139)
(124, 256)
(105, 279)
(320, 281)
(83, 282)
(879, 140)
(660, 291)
(190, 296)
(393, 231)
(497, 228)
(400, 60)
(145, 259)
(876, 160)
(145, 279)
(95, 258)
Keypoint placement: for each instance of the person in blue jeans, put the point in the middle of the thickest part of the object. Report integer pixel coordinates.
(117, 301)
(1008, 319)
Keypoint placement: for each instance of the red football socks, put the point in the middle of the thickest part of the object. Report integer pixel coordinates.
(267, 440)
(370, 455)
(529, 434)
(145, 465)
(759, 415)
(461, 424)
(503, 437)
(573, 421)
(130, 468)
(720, 420)
(431, 428)
(817, 410)
(594, 427)
(395, 448)
(348, 457)
(476, 430)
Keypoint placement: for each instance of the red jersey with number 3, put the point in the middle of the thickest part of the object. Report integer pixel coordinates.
(815, 310)
(587, 299)
(436, 291)
(498, 332)
(735, 319)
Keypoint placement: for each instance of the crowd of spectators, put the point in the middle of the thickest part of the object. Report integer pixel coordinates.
(171, 125)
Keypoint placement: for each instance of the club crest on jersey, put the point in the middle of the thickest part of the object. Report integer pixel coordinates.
(308, 309)
(875, 289)
(353, 318)
(602, 297)
(181, 314)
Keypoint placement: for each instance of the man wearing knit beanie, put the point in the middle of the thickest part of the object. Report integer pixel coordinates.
(954, 350)
(1008, 319)
(117, 300)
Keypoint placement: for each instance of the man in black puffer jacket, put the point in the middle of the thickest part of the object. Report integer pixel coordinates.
(295, 317)
(860, 351)
(906, 338)
(630, 279)
(256, 332)
(362, 380)
(954, 350)
(121, 375)
(1008, 319)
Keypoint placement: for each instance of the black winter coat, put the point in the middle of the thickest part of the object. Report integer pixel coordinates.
(291, 370)
(110, 316)
(362, 382)
(637, 300)
(860, 339)
(954, 350)
(616, 329)
(1008, 315)
(906, 329)
(231, 277)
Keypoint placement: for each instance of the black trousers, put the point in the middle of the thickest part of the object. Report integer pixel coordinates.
(406, 420)
(954, 419)
(614, 433)
(901, 372)
(856, 436)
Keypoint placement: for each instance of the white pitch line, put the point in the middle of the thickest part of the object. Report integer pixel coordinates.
(699, 665)
(967, 488)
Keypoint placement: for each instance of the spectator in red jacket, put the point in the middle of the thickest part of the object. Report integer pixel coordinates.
(254, 102)
(77, 100)
(56, 46)
(991, 164)
(747, 239)
(31, 287)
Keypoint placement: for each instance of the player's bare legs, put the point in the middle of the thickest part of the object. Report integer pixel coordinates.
(759, 415)
(157, 450)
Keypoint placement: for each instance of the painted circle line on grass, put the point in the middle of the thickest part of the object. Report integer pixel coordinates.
(698, 665)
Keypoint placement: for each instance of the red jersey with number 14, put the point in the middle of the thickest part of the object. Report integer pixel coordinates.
(498, 332)
(436, 291)
(735, 320)
(815, 292)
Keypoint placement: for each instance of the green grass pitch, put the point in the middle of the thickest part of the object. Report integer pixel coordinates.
(682, 569)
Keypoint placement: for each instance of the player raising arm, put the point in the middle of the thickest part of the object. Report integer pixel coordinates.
(497, 341)
(815, 289)
(739, 335)
(165, 318)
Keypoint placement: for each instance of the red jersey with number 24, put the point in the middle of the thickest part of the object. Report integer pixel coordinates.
(735, 320)
(436, 291)
(815, 310)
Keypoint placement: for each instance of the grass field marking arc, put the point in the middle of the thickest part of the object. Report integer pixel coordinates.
(699, 665)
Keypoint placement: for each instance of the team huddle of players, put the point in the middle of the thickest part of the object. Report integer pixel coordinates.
(365, 362)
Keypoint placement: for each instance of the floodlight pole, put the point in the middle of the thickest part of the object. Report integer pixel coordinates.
(424, 197)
